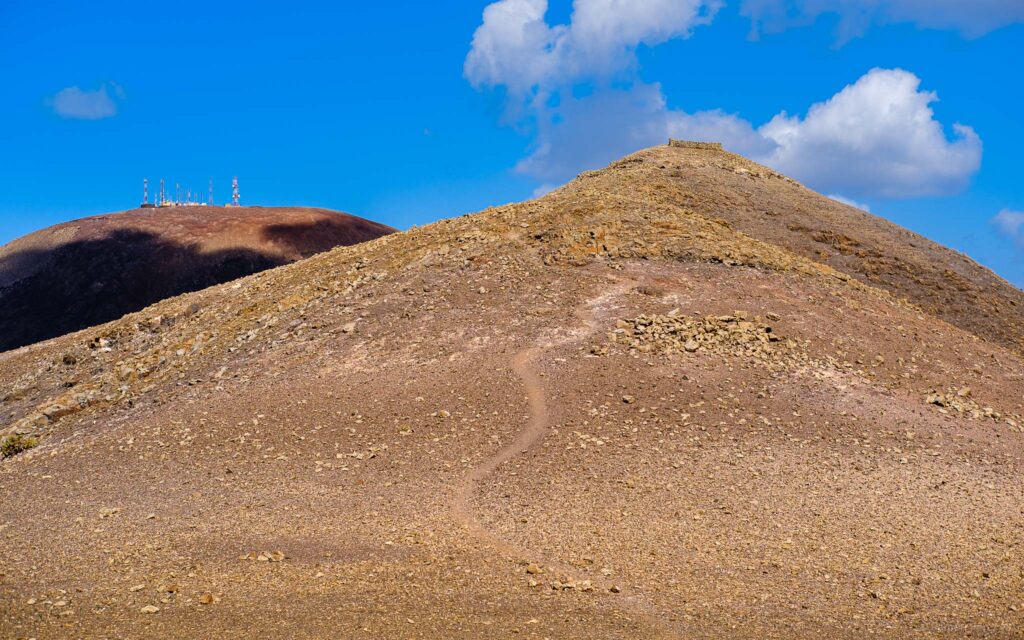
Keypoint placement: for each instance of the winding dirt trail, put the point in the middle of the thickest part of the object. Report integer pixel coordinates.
(535, 430)
(532, 433)
(537, 424)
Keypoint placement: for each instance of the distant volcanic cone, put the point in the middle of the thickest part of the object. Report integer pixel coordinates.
(86, 272)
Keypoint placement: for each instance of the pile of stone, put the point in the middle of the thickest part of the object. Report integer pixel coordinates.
(960, 401)
(737, 334)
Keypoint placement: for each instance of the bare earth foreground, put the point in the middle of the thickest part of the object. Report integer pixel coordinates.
(682, 397)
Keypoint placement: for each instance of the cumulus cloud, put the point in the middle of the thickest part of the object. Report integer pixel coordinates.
(575, 87)
(517, 49)
(537, 64)
(877, 137)
(1011, 224)
(973, 18)
(77, 104)
(590, 132)
(735, 133)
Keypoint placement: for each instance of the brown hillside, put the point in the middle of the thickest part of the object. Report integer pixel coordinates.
(89, 271)
(771, 207)
(600, 414)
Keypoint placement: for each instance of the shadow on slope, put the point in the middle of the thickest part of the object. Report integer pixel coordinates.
(82, 284)
(322, 235)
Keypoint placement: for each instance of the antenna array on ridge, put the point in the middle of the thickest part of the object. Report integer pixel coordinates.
(185, 197)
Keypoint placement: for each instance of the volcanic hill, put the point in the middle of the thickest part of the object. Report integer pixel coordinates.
(85, 272)
(680, 397)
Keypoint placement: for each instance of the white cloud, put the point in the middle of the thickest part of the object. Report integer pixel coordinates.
(517, 49)
(590, 132)
(849, 202)
(877, 137)
(1011, 224)
(735, 133)
(972, 18)
(544, 189)
(76, 104)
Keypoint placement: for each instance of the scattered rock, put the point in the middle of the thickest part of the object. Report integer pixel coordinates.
(569, 584)
(264, 556)
(733, 335)
(961, 402)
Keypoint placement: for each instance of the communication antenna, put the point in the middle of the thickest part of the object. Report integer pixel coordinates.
(163, 195)
(211, 192)
(145, 191)
(177, 193)
(234, 191)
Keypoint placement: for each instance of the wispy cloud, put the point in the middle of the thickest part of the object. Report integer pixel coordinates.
(972, 18)
(849, 202)
(1011, 224)
(76, 104)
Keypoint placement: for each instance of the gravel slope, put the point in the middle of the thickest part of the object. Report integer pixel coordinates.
(561, 418)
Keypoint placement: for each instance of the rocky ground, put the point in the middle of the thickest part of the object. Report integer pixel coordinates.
(597, 415)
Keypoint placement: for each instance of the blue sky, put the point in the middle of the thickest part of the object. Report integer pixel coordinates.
(406, 112)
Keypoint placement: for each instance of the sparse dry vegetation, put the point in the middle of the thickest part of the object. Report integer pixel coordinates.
(14, 444)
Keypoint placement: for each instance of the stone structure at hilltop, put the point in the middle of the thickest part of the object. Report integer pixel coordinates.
(691, 144)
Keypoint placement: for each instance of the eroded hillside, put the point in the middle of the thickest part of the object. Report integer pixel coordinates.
(611, 412)
(773, 208)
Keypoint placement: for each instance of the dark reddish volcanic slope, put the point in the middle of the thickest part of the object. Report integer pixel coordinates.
(89, 271)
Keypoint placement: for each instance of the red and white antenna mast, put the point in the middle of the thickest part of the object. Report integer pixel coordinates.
(163, 197)
(234, 191)
(145, 191)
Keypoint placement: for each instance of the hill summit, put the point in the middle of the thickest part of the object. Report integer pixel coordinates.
(679, 397)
